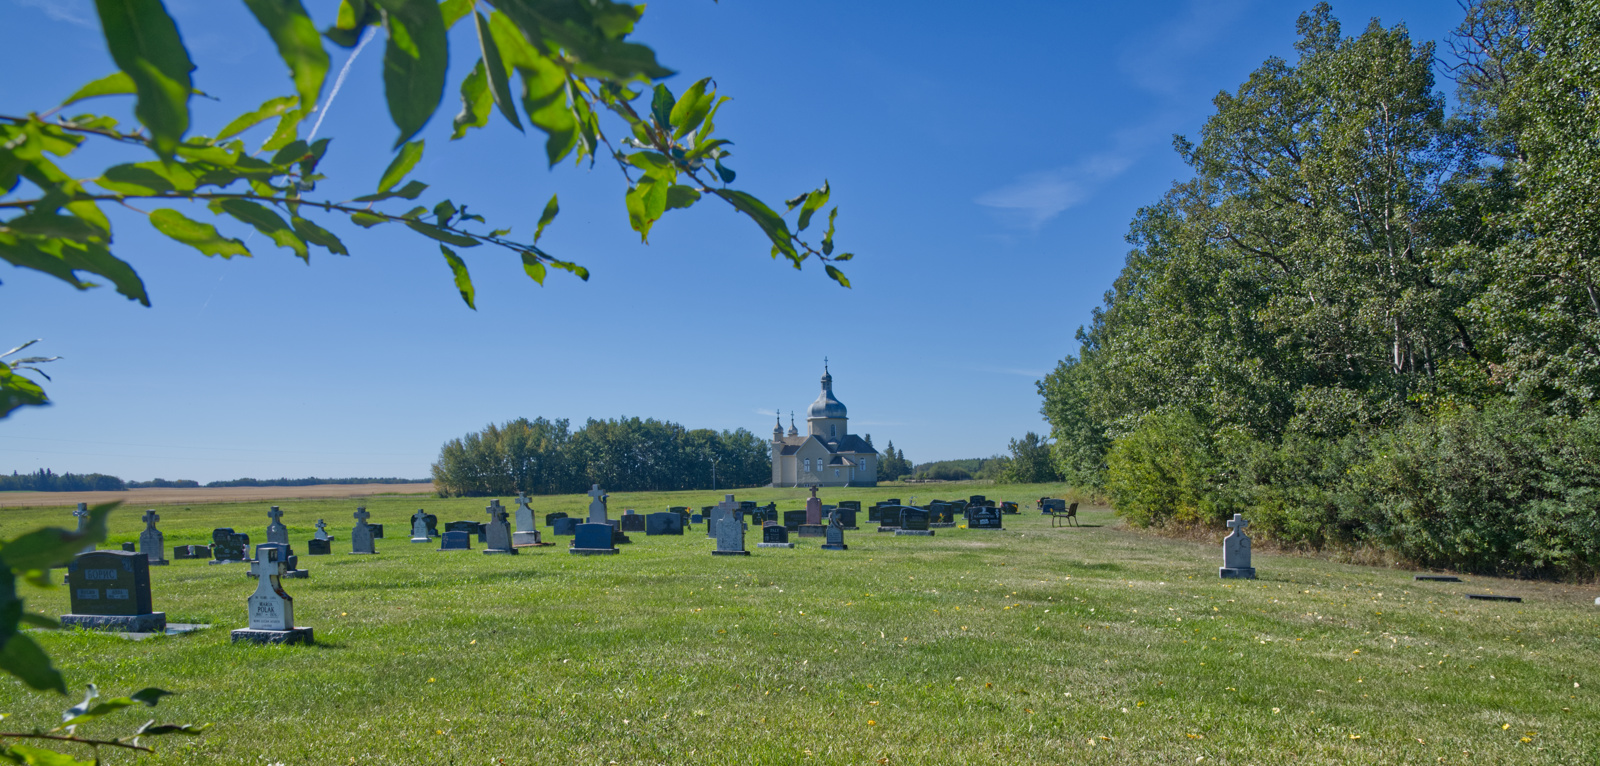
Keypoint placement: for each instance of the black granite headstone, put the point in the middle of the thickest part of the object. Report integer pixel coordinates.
(456, 539)
(666, 523)
(632, 522)
(564, 526)
(316, 547)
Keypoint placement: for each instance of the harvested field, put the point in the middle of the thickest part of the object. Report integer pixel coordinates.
(195, 495)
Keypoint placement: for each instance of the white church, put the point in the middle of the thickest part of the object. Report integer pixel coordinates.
(828, 455)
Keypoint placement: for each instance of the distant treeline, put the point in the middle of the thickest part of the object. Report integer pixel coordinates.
(546, 457)
(961, 470)
(46, 480)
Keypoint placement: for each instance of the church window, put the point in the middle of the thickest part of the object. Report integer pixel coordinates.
(835, 473)
(808, 465)
(863, 464)
(833, 430)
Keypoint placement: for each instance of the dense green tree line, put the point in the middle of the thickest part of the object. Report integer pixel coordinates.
(1367, 320)
(46, 480)
(546, 457)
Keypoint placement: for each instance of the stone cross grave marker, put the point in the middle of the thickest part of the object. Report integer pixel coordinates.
(151, 542)
(322, 531)
(833, 539)
(497, 538)
(271, 609)
(419, 527)
(276, 531)
(361, 536)
(82, 514)
(812, 526)
(597, 506)
(730, 529)
(110, 590)
(527, 534)
(1236, 552)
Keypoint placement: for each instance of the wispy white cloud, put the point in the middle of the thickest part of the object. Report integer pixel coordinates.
(1157, 62)
(80, 12)
(768, 413)
(1026, 373)
(1035, 198)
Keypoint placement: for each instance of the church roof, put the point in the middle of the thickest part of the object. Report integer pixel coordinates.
(850, 443)
(826, 405)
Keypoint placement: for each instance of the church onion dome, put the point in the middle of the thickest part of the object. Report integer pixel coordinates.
(826, 405)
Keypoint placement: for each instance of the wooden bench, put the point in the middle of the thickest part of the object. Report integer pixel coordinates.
(1070, 514)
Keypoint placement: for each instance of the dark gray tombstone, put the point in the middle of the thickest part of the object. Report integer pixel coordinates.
(497, 531)
(129, 547)
(110, 590)
(483, 531)
(565, 527)
(889, 518)
(793, 519)
(315, 547)
(1052, 505)
(632, 522)
(983, 517)
(668, 523)
(470, 527)
(833, 538)
(593, 540)
(229, 547)
(286, 555)
(1007, 506)
(276, 531)
(774, 535)
(977, 500)
(617, 538)
(455, 540)
(550, 518)
(151, 542)
(695, 518)
(847, 517)
(191, 552)
(914, 521)
(271, 609)
(377, 531)
(891, 501)
(361, 537)
(730, 529)
(1236, 552)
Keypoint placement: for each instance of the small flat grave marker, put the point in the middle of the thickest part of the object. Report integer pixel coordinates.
(110, 590)
(455, 540)
(1437, 578)
(1493, 597)
(271, 609)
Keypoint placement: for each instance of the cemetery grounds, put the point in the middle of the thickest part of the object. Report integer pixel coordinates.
(1033, 644)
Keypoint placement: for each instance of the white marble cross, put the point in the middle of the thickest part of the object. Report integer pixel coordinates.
(597, 507)
(270, 607)
(83, 515)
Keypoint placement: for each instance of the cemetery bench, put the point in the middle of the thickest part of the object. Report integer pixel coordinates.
(1070, 514)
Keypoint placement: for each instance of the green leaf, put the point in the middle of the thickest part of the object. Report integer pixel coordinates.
(725, 174)
(838, 276)
(411, 190)
(50, 547)
(475, 102)
(770, 222)
(442, 235)
(145, 44)
(298, 44)
(61, 258)
(646, 202)
(42, 224)
(38, 756)
(814, 202)
(544, 97)
(827, 239)
(534, 267)
(454, 11)
(551, 208)
(581, 272)
(17, 391)
(463, 280)
(353, 19)
(367, 220)
(265, 221)
(680, 196)
(316, 235)
(10, 606)
(414, 63)
(400, 165)
(148, 178)
(495, 69)
(292, 152)
(661, 103)
(273, 107)
(24, 659)
(200, 236)
(118, 84)
(691, 109)
(709, 125)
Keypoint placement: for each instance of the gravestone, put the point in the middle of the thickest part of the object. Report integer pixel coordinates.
(632, 522)
(1052, 505)
(983, 517)
(110, 590)
(191, 552)
(847, 517)
(271, 609)
(455, 540)
(941, 514)
(421, 531)
(290, 561)
(1236, 552)
(322, 531)
(229, 547)
(889, 518)
(854, 505)
(977, 500)
(361, 537)
(483, 530)
(812, 526)
(793, 519)
(527, 533)
(497, 530)
(276, 531)
(565, 527)
(597, 505)
(1007, 506)
(82, 515)
(890, 501)
(617, 538)
(833, 538)
(470, 527)
(315, 547)
(730, 529)
(914, 521)
(665, 523)
(593, 539)
(774, 535)
(550, 518)
(695, 518)
(376, 530)
(129, 547)
(875, 513)
(151, 542)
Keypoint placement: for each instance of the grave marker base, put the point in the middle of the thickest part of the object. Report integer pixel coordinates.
(291, 636)
(774, 545)
(813, 530)
(915, 532)
(732, 553)
(839, 547)
(136, 623)
(944, 525)
(1237, 573)
(592, 551)
(422, 539)
(506, 551)
(160, 563)
(526, 540)
(1437, 578)
(1492, 597)
(888, 529)
(226, 561)
(296, 574)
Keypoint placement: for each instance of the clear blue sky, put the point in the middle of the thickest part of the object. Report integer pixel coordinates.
(986, 157)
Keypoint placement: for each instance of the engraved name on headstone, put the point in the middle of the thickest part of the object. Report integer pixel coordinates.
(110, 590)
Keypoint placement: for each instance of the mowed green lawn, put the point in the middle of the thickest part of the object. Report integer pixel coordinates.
(1028, 645)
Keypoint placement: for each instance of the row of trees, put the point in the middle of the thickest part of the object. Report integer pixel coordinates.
(46, 480)
(893, 465)
(1367, 320)
(546, 457)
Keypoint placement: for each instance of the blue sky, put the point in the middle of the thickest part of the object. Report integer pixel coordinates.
(986, 159)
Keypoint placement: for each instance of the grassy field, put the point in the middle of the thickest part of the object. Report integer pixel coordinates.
(1028, 645)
